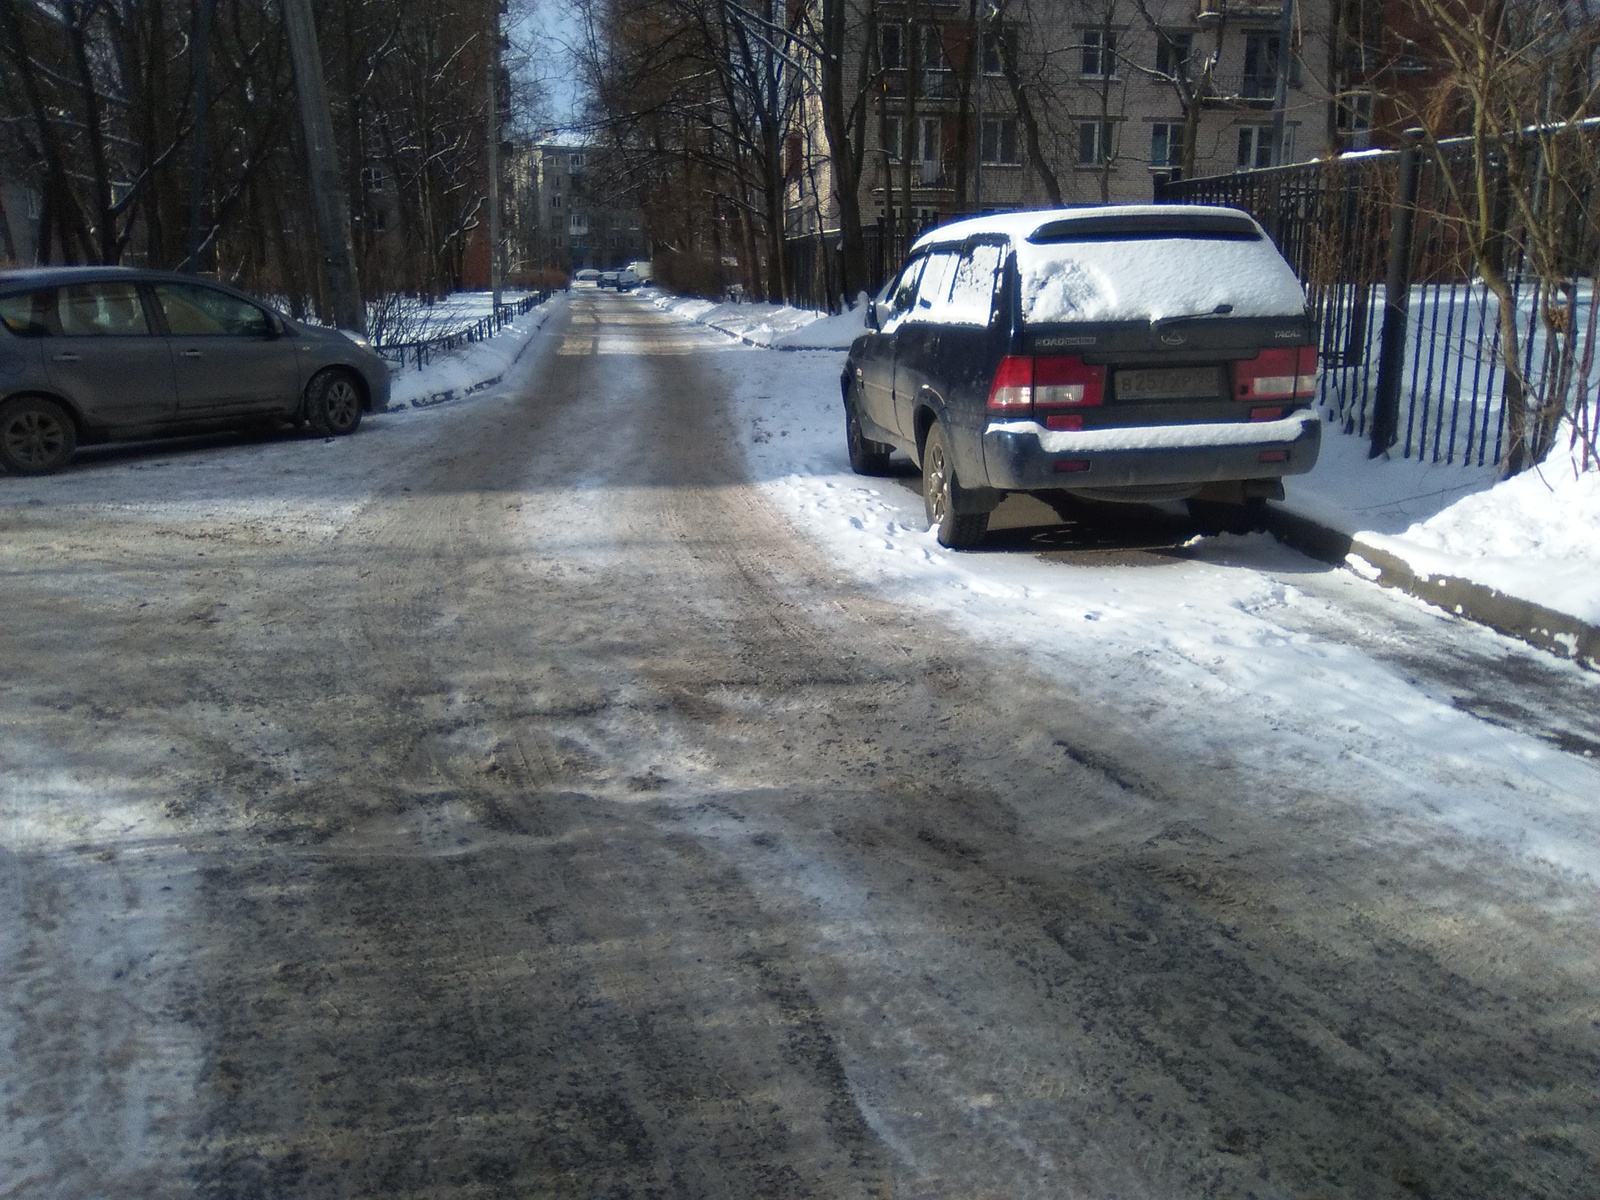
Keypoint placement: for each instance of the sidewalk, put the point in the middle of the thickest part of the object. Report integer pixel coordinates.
(1520, 556)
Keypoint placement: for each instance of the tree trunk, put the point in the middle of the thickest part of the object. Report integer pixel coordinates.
(846, 172)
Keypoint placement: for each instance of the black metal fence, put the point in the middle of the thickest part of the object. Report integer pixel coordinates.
(1413, 340)
(420, 353)
(813, 265)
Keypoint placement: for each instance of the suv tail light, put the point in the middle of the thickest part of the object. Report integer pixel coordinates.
(1028, 386)
(1287, 374)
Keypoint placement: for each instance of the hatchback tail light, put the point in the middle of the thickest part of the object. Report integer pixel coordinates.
(1027, 386)
(1287, 374)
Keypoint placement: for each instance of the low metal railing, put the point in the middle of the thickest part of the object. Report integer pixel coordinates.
(421, 353)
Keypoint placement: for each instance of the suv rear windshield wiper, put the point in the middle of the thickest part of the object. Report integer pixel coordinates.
(1161, 323)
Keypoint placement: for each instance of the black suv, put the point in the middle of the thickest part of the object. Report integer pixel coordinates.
(1136, 353)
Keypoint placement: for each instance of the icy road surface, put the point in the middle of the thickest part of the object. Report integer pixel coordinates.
(588, 789)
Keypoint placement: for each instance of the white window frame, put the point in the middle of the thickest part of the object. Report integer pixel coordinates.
(1165, 51)
(993, 138)
(930, 137)
(1255, 145)
(1099, 54)
(1101, 139)
(1174, 145)
(898, 39)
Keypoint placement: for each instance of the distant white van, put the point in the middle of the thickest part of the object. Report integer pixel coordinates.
(641, 270)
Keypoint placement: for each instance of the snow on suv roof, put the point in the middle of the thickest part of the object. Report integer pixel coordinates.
(1138, 262)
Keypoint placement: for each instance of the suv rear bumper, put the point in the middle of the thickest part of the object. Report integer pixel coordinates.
(1024, 456)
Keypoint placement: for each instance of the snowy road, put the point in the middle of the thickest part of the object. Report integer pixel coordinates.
(587, 789)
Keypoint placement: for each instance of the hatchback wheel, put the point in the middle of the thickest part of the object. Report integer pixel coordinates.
(333, 403)
(37, 437)
(958, 531)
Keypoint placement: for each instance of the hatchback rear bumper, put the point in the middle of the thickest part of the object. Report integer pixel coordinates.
(1024, 456)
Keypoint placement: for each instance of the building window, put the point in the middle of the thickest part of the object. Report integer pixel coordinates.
(1166, 145)
(1353, 114)
(936, 75)
(372, 179)
(1260, 66)
(1173, 47)
(555, 200)
(1095, 142)
(1255, 146)
(575, 163)
(1000, 141)
(992, 62)
(577, 223)
(925, 139)
(891, 46)
(1099, 54)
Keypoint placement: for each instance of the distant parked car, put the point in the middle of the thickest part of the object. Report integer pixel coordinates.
(92, 354)
(627, 280)
(1136, 353)
(608, 279)
(588, 277)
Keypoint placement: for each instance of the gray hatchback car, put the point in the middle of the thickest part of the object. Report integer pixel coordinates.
(93, 354)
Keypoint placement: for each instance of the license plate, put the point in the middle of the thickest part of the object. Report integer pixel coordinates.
(1169, 383)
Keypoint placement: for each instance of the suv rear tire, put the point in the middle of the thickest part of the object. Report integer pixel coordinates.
(940, 491)
(1211, 517)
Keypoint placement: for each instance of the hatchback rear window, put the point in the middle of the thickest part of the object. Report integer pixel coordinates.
(1217, 227)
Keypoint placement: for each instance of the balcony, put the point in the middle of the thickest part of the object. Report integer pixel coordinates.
(1240, 91)
(1209, 11)
(932, 84)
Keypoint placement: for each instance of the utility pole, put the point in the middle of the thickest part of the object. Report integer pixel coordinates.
(328, 196)
(492, 156)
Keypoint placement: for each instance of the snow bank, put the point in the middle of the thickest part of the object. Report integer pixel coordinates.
(1535, 537)
(776, 326)
(465, 370)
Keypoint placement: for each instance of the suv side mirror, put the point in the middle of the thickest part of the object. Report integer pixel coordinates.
(874, 320)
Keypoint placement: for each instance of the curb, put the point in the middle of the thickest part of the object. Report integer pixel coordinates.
(1557, 633)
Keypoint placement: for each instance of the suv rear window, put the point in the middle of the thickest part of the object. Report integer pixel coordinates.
(1218, 227)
